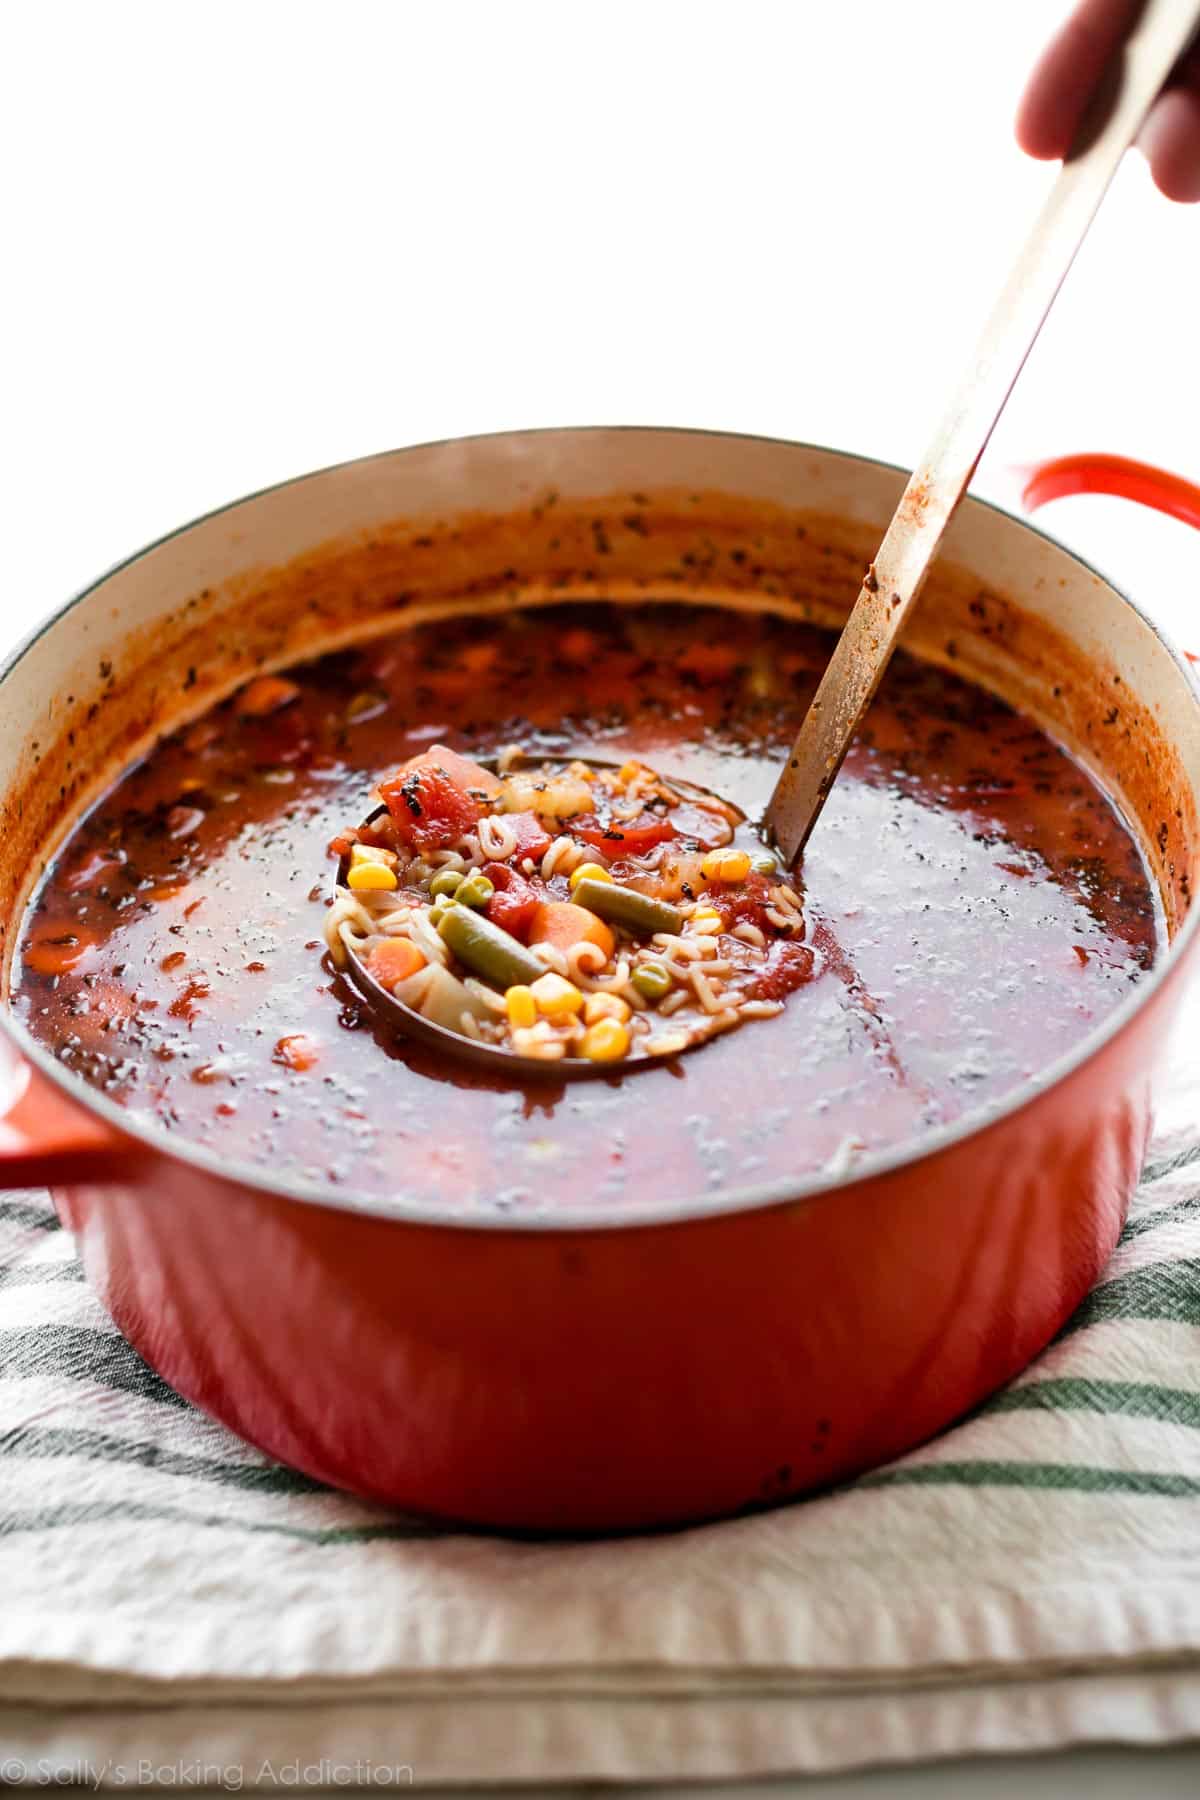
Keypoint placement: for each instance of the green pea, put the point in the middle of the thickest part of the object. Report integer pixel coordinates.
(764, 863)
(475, 890)
(447, 882)
(651, 980)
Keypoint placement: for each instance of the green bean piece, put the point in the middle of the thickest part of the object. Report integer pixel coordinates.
(475, 891)
(488, 950)
(651, 980)
(446, 882)
(625, 906)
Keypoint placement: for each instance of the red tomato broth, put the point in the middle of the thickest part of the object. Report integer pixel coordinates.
(977, 904)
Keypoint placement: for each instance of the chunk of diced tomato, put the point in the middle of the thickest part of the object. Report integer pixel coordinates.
(533, 839)
(744, 904)
(437, 797)
(378, 833)
(789, 966)
(463, 770)
(631, 837)
(515, 901)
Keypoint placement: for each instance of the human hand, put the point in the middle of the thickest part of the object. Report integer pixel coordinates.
(1066, 75)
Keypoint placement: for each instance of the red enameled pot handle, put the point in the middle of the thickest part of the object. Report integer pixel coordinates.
(47, 1139)
(1095, 473)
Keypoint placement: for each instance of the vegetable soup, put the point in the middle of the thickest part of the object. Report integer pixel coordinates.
(969, 908)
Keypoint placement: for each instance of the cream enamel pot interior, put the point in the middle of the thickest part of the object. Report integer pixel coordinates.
(605, 1371)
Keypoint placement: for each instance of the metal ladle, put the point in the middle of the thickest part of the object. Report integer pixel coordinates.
(930, 499)
(1117, 112)
(494, 1058)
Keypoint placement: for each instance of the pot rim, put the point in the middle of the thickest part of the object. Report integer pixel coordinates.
(749, 1198)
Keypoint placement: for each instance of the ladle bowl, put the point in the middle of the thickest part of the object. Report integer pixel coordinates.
(495, 1059)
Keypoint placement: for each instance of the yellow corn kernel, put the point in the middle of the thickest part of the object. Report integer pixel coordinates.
(556, 997)
(725, 865)
(627, 771)
(372, 853)
(605, 1041)
(371, 877)
(521, 1007)
(588, 872)
(605, 1006)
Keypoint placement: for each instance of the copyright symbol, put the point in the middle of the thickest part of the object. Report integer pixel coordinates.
(11, 1770)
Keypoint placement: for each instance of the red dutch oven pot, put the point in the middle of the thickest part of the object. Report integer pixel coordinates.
(667, 1363)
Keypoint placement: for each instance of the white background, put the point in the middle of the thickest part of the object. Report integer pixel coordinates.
(246, 239)
(251, 237)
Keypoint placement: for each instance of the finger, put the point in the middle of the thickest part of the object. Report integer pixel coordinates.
(1068, 72)
(1170, 139)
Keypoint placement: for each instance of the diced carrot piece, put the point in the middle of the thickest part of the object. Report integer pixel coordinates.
(709, 662)
(58, 955)
(298, 1051)
(577, 645)
(393, 960)
(264, 695)
(563, 924)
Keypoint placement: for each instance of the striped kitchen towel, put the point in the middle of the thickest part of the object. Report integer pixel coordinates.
(173, 1605)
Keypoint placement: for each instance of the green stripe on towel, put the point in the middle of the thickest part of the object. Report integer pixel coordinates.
(1132, 1399)
(1043, 1477)
(1177, 1212)
(1170, 1165)
(1169, 1290)
(40, 1215)
(77, 1353)
(98, 1512)
(47, 1274)
(54, 1441)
